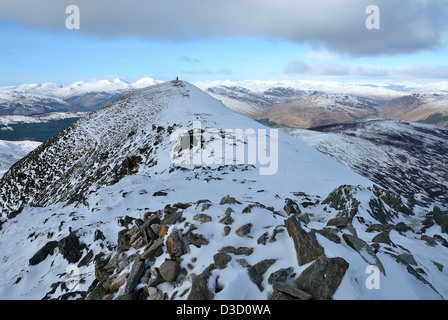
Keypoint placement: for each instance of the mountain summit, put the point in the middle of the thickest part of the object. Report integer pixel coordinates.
(161, 195)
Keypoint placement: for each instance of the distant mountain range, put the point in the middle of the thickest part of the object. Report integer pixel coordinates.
(33, 99)
(306, 104)
(301, 104)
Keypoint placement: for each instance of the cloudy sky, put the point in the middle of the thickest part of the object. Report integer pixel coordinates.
(223, 39)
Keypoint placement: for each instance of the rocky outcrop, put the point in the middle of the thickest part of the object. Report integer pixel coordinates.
(306, 249)
(323, 277)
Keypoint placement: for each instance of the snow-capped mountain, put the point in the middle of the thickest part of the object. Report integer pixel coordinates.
(13, 151)
(407, 158)
(308, 104)
(31, 99)
(112, 208)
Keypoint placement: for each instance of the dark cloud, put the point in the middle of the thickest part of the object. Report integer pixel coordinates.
(339, 26)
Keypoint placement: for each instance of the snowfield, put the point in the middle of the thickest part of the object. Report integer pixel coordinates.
(13, 151)
(224, 231)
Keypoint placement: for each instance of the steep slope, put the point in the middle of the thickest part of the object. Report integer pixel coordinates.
(107, 210)
(11, 152)
(407, 158)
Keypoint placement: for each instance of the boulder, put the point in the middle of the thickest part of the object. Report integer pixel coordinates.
(170, 270)
(228, 200)
(382, 237)
(244, 230)
(323, 277)
(340, 222)
(202, 218)
(42, 254)
(291, 207)
(174, 244)
(306, 250)
(199, 285)
(280, 275)
(71, 248)
(365, 251)
(221, 260)
(256, 271)
(137, 271)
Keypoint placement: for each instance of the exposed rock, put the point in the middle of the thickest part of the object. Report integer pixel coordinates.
(99, 236)
(139, 294)
(237, 251)
(364, 250)
(244, 230)
(382, 237)
(228, 200)
(202, 218)
(137, 271)
(304, 218)
(280, 296)
(330, 234)
(170, 270)
(343, 200)
(429, 241)
(323, 277)
(86, 260)
(171, 218)
(293, 292)
(438, 265)
(197, 239)
(154, 294)
(291, 207)
(183, 206)
(256, 271)
(199, 285)
(174, 244)
(280, 275)
(221, 260)
(153, 250)
(441, 218)
(227, 230)
(402, 227)
(408, 258)
(160, 194)
(42, 254)
(97, 293)
(71, 248)
(306, 251)
(124, 241)
(263, 238)
(117, 283)
(243, 263)
(227, 220)
(340, 222)
(441, 239)
(277, 230)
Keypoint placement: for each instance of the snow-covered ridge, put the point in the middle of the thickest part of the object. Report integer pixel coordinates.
(104, 199)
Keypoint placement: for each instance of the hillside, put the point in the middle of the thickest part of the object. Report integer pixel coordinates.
(110, 208)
